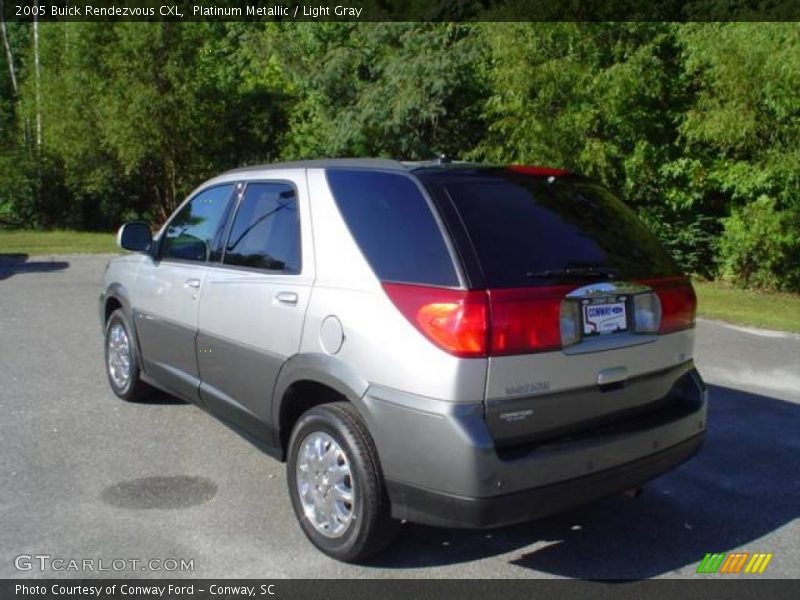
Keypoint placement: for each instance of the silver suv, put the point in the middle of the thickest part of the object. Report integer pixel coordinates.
(452, 344)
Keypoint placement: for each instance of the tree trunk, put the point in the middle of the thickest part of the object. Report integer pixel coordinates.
(38, 77)
(9, 54)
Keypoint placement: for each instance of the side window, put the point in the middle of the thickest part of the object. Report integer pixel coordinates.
(393, 226)
(266, 229)
(190, 233)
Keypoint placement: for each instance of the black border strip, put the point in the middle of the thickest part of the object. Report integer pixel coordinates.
(703, 588)
(402, 10)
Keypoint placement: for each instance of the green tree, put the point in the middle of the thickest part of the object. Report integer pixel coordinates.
(403, 90)
(136, 115)
(598, 98)
(743, 126)
(742, 132)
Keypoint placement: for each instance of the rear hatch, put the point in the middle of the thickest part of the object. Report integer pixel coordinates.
(582, 299)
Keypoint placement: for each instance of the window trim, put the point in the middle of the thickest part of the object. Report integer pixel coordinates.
(159, 250)
(221, 236)
(463, 246)
(220, 264)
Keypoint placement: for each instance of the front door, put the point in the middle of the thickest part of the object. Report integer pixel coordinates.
(168, 290)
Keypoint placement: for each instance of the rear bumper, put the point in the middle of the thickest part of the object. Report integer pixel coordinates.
(443, 467)
(446, 510)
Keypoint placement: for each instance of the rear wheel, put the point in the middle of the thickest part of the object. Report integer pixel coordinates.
(122, 360)
(336, 485)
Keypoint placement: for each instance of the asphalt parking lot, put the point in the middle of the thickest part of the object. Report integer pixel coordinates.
(85, 475)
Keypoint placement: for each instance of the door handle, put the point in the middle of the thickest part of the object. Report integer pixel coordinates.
(192, 283)
(289, 298)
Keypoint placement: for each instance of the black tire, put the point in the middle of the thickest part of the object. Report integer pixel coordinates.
(371, 528)
(134, 390)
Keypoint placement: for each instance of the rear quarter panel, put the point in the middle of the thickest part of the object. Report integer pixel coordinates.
(379, 343)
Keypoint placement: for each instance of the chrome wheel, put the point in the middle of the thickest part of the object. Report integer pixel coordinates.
(119, 356)
(325, 484)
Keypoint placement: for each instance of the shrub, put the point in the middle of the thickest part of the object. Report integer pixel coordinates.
(689, 237)
(760, 246)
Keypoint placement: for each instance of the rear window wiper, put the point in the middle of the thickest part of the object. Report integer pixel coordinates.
(574, 273)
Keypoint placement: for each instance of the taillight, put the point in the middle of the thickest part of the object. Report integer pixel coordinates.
(646, 313)
(678, 303)
(455, 320)
(525, 320)
(474, 324)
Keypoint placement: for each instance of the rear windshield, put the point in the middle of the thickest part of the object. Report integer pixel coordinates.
(394, 227)
(533, 230)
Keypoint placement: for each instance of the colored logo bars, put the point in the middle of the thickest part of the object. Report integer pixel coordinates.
(735, 562)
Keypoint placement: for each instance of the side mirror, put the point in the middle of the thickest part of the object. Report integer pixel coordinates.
(135, 236)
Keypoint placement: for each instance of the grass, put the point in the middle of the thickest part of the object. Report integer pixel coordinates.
(768, 310)
(57, 242)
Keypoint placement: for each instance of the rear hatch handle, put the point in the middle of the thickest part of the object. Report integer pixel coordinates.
(612, 376)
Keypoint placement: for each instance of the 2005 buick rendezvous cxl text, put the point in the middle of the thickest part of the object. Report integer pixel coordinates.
(453, 344)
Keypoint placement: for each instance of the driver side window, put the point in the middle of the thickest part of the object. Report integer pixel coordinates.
(191, 231)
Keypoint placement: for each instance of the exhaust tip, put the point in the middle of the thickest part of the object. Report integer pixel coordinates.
(634, 492)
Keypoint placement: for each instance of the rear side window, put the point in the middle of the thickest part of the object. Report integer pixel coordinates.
(266, 229)
(533, 230)
(393, 226)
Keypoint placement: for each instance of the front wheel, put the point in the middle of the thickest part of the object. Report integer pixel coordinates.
(122, 360)
(336, 485)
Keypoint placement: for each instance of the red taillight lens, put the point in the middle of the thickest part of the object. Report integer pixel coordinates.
(678, 303)
(455, 320)
(525, 320)
(474, 324)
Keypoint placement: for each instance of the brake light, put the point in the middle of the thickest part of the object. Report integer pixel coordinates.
(455, 320)
(538, 171)
(678, 303)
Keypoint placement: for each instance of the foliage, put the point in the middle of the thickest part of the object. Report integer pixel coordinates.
(406, 90)
(598, 98)
(696, 125)
(760, 246)
(691, 238)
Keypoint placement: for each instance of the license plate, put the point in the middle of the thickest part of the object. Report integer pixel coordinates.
(604, 316)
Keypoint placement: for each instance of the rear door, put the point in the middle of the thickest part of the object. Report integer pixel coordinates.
(168, 286)
(254, 301)
(561, 259)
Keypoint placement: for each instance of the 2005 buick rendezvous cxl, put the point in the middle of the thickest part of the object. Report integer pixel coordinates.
(453, 344)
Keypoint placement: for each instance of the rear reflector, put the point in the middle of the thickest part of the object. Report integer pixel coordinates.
(678, 303)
